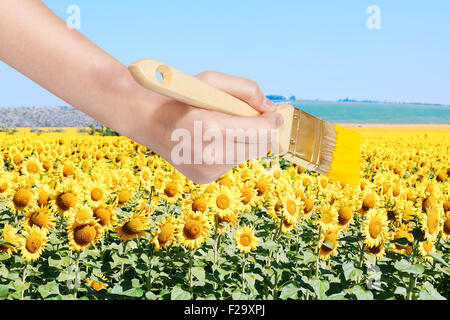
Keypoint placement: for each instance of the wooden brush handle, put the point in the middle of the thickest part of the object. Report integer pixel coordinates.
(187, 89)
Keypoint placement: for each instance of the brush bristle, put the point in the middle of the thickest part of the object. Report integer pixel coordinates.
(340, 154)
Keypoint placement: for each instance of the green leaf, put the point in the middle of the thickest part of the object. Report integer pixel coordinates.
(290, 291)
(309, 257)
(269, 245)
(199, 273)
(238, 295)
(438, 258)
(20, 286)
(151, 296)
(362, 294)
(329, 244)
(337, 296)
(6, 243)
(179, 294)
(350, 272)
(3, 271)
(430, 293)
(134, 292)
(320, 287)
(401, 242)
(3, 291)
(48, 289)
(405, 266)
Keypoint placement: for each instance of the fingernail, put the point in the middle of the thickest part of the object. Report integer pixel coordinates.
(268, 105)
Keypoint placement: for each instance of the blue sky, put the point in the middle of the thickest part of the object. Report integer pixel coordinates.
(313, 49)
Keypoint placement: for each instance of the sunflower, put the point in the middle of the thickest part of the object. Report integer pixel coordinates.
(123, 195)
(309, 206)
(264, 188)
(165, 235)
(68, 169)
(375, 227)
(40, 216)
(33, 242)
(21, 197)
(32, 166)
(291, 208)
(328, 217)
(44, 194)
(4, 184)
(9, 234)
(329, 243)
(430, 222)
(402, 232)
(193, 229)
(96, 193)
(82, 235)
(172, 190)
(196, 201)
(377, 250)
(226, 221)
(225, 201)
(133, 226)
(98, 285)
(248, 194)
(369, 200)
(67, 195)
(345, 214)
(425, 247)
(105, 216)
(446, 227)
(246, 239)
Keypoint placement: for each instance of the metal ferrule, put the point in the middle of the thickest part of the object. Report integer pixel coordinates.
(306, 141)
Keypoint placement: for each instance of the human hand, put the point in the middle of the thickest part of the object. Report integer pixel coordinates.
(201, 144)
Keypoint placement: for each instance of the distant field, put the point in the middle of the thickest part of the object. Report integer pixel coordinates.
(376, 113)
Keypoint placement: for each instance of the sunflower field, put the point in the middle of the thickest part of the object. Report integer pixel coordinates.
(93, 217)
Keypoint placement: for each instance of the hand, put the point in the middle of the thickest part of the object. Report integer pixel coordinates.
(167, 117)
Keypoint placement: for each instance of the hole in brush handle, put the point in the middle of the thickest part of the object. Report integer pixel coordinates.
(163, 75)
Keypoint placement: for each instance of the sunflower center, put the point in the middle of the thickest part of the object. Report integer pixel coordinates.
(446, 227)
(199, 204)
(261, 187)
(22, 198)
(166, 233)
(46, 165)
(246, 196)
(193, 229)
(245, 240)
(124, 196)
(396, 191)
(323, 183)
(145, 176)
(368, 202)
(17, 159)
(33, 243)
(291, 207)
(375, 228)
(171, 190)
(39, 219)
(309, 205)
(345, 214)
(326, 216)
(83, 235)
(96, 194)
(132, 227)
(65, 201)
(3, 186)
(223, 202)
(104, 215)
(427, 203)
(68, 170)
(32, 167)
(43, 198)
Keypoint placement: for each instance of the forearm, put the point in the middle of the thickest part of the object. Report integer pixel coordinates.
(37, 43)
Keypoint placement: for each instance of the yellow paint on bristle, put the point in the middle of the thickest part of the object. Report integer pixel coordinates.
(345, 165)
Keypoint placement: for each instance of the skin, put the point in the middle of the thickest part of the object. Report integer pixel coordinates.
(37, 43)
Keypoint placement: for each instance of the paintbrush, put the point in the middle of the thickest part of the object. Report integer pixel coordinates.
(304, 140)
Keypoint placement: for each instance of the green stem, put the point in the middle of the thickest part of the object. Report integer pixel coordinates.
(191, 260)
(24, 275)
(124, 244)
(318, 252)
(77, 269)
(243, 271)
(150, 278)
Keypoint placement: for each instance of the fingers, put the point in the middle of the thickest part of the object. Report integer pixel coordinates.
(241, 88)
